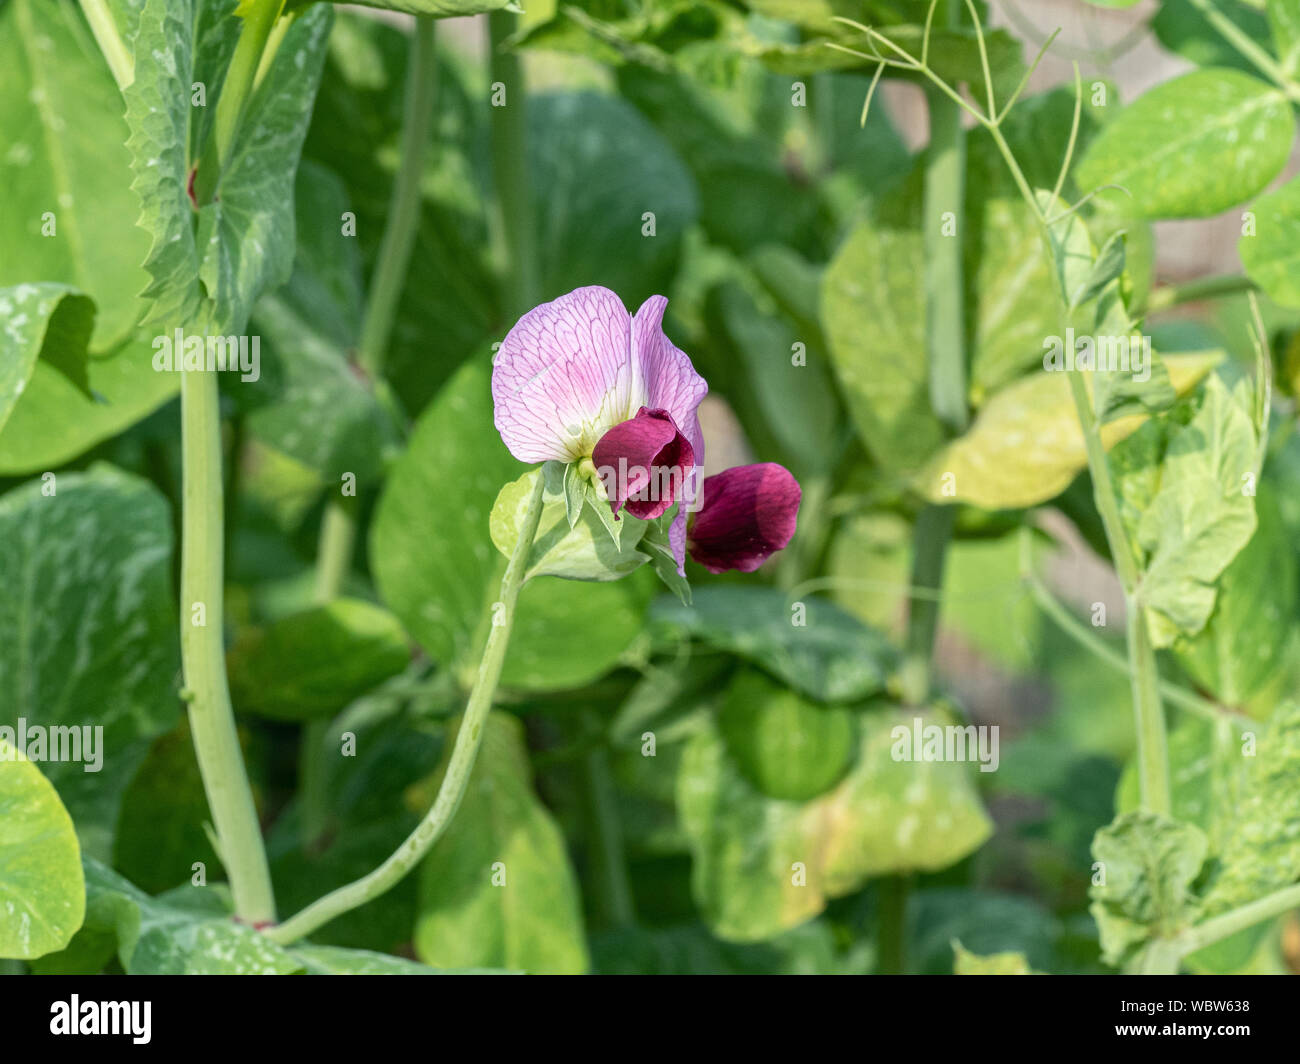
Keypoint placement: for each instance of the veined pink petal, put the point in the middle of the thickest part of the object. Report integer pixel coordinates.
(564, 375)
(749, 512)
(643, 463)
(671, 382)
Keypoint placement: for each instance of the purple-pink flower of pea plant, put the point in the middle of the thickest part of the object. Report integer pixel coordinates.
(611, 405)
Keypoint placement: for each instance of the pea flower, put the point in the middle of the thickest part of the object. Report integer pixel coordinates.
(580, 380)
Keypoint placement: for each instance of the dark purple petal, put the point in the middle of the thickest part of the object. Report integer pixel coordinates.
(643, 463)
(749, 512)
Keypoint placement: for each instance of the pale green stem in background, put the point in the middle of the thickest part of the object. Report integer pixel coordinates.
(203, 656)
(1219, 927)
(404, 207)
(464, 752)
(334, 555)
(509, 127)
(110, 42)
(235, 91)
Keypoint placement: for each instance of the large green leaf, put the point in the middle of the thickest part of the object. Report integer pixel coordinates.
(1262, 850)
(1200, 514)
(811, 644)
(1244, 643)
(1025, 445)
(54, 421)
(63, 154)
(1182, 28)
(762, 865)
(42, 897)
(1194, 146)
(43, 320)
(1148, 864)
(497, 889)
(244, 239)
(1270, 251)
(88, 629)
(873, 314)
(311, 664)
(188, 931)
(432, 555)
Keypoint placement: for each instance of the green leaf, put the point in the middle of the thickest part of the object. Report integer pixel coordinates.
(310, 665)
(189, 931)
(967, 963)
(1244, 644)
(1149, 863)
(68, 209)
(497, 889)
(337, 960)
(785, 745)
(435, 8)
(811, 644)
(1183, 29)
(1107, 267)
(1271, 250)
(762, 865)
(1284, 26)
(1261, 853)
(873, 314)
(1200, 515)
(432, 555)
(244, 239)
(580, 552)
(88, 631)
(54, 422)
(42, 321)
(991, 466)
(1220, 137)
(44, 899)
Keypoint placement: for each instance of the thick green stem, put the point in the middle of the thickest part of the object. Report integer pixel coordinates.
(404, 207)
(510, 171)
(1219, 927)
(110, 42)
(235, 90)
(212, 721)
(1149, 714)
(464, 752)
(338, 533)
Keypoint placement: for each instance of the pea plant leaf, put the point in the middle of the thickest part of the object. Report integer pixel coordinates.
(1147, 866)
(1182, 28)
(42, 321)
(310, 665)
(990, 466)
(243, 240)
(1009, 963)
(497, 889)
(874, 319)
(435, 8)
(812, 645)
(1201, 514)
(1269, 249)
(42, 898)
(67, 658)
(1229, 135)
(68, 207)
(1261, 853)
(1284, 27)
(762, 865)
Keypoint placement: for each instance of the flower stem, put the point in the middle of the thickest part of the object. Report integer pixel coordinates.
(404, 207)
(110, 42)
(212, 721)
(235, 90)
(464, 752)
(510, 171)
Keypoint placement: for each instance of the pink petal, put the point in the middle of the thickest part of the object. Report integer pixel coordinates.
(670, 381)
(643, 463)
(748, 513)
(563, 376)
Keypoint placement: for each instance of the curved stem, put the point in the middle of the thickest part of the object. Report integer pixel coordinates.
(464, 752)
(404, 208)
(212, 721)
(110, 42)
(1220, 927)
(235, 90)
